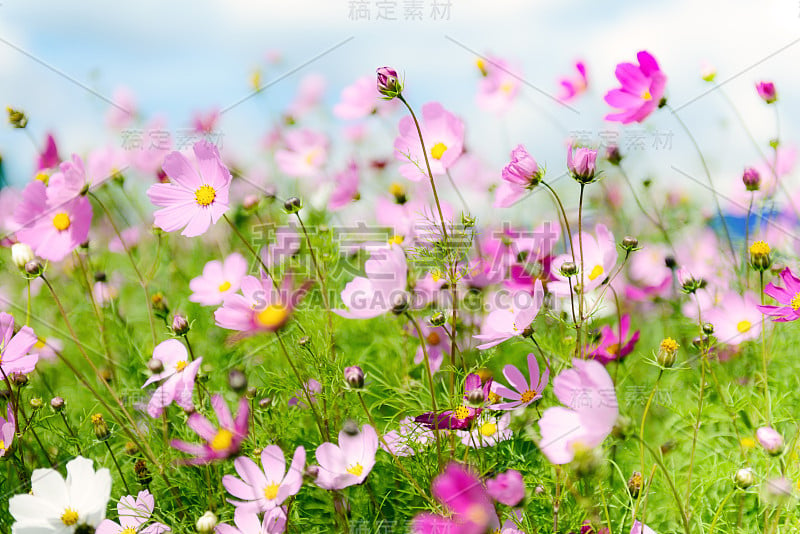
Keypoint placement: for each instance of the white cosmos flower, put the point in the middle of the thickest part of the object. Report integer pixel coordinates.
(60, 506)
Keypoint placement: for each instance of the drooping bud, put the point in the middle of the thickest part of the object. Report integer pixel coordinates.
(388, 83)
(21, 254)
(667, 352)
(354, 376)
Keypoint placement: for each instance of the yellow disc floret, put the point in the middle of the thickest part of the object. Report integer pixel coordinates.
(61, 221)
(273, 316)
(438, 150)
(224, 286)
(271, 491)
(355, 470)
(222, 440)
(759, 248)
(69, 517)
(205, 195)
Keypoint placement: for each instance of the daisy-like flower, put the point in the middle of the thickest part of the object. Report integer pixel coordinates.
(53, 231)
(196, 197)
(575, 86)
(736, 319)
(219, 442)
(377, 293)
(499, 85)
(59, 506)
(305, 153)
(488, 432)
(525, 391)
(507, 487)
(262, 490)
(7, 430)
(642, 87)
(261, 308)
(348, 463)
(609, 347)
(219, 279)
(178, 377)
(346, 188)
(134, 512)
(462, 417)
(519, 176)
(15, 349)
(443, 133)
(504, 323)
(247, 522)
(589, 413)
(362, 99)
(599, 258)
(437, 343)
(788, 296)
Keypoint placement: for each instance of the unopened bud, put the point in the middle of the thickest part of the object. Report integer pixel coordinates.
(613, 155)
(130, 448)
(759, 256)
(237, 380)
(303, 341)
(635, 484)
(388, 83)
(155, 366)
(569, 268)
(438, 319)
(251, 392)
(311, 472)
(34, 268)
(17, 118)
(770, 439)
(292, 205)
(399, 303)
(667, 352)
(180, 326)
(751, 179)
(354, 376)
(264, 403)
(142, 473)
(57, 404)
(19, 379)
(207, 523)
(630, 244)
(36, 403)
(350, 428)
(708, 329)
(475, 397)
(21, 254)
(101, 430)
(744, 478)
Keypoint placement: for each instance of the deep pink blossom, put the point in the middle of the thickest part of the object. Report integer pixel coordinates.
(642, 87)
(15, 349)
(519, 176)
(788, 297)
(766, 90)
(609, 347)
(48, 158)
(219, 442)
(573, 87)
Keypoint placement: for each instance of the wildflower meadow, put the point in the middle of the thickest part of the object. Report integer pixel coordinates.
(375, 329)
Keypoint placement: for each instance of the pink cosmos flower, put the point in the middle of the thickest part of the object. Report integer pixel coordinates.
(309, 93)
(196, 197)
(133, 514)
(247, 522)
(49, 157)
(582, 163)
(305, 153)
(640, 528)
(219, 442)
(609, 347)
(53, 231)
(499, 86)
(376, 294)
(260, 307)
(15, 355)
(519, 176)
(262, 490)
(507, 322)
(104, 292)
(507, 487)
(130, 238)
(766, 90)
(7, 430)
(409, 438)
(346, 188)
(487, 432)
(736, 318)
(642, 88)
(788, 297)
(463, 495)
(219, 280)
(462, 417)
(443, 133)
(437, 343)
(362, 99)
(308, 391)
(178, 377)
(413, 221)
(350, 462)
(527, 391)
(204, 123)
(588, 416)
(575, 86)
(599, 258)
(123, 112)
(770, 439)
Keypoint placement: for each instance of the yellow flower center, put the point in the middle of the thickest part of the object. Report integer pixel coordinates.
(748, 443)
(355, 470)
(488, 429)
(397, 190)
(205, 195)
(42, 177)
(476, 514)
(96, 418)
(433, 338)
(69, 517)
(222, 440)
(128, 530)
(795, 302)
(396, 240)
(181, 365)
(61, 221)
(2, 445)
(272, 316)
(39, 343)
(494, 398)
(224, 286)
(646, 95)
(312, 154)
(744, 326)
(507, 87)
(613, 349)
(271, 491)
(462, 412)
(669, 345)
(759, 248)
(528, 395)
(481, 64)
(596, 271)
(438, 150)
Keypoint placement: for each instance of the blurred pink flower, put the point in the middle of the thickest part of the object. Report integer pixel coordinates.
(641, 91)
(219, 442)
(219, 280)
(378, 292)
(309, 93)
(48, 158)
(260, 307)
(260, 490)
(507, 322)
(345, 188)
(361, 99)
(609, 347)
(575, 86)
(7, 430)
(437, 343)
(443, 133)
(130, 238)
(205, 123)
(178, 377)
(770, 439)
(409, 438)
(15, 349)
(123, 110)
(307, 391)
(305, 154)
(348, 463)
(766, 90)
(507, 487)
(736, 318)
(499, 85)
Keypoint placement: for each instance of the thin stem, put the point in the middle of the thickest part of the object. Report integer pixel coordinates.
(252, 251)
(767, 400)
(582, 290)
(671, 483)
(71, 432)
(114, 458)
(302, 386)
(719, 511)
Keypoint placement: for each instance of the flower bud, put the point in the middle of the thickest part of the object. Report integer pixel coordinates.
(667, 352)
(569, 268)
(311, 472)
(354, 376)
(101, 430)
(582, 164)
(635, 484)
(142, 473)
(766, 90)
(629, 244)
(744, 478)
(475, 397)
(21, 254)
(265, 403)
(155, 366)
(57, 404)
(17, 118)
(292, 205)
(130, 448)
(708, 72)
(751, 179)
(251, 392)
(207, 523)
(388, 83)
(708, 329)
(36, 403)
(759, 256)
(770, 439)
(613, 155)
(34, 268)
(180, 326)
(399, 303)
(438, 319)
(19, 379)
(159, 303)
(350, 428)
(303, 341)
(237, 380)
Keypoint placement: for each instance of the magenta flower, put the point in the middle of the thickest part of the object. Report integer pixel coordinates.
(261, 308)
(219, 280)
(378, 292)
(7, 430)
(470, 509)
(348, 463)
(219, 442)
(641, 91)
(519, 176)
(527, 391)
(247, 522)
(460, 418)
(507, 322)
(766, 90)
(53, 231)
(133, 512)
(345, 188)
(15, 349)
(507, 488)
(262, 490)
(589, 413)
(197, 196)
(788, 297)
(609, 347)
(204, 123)
(305, 153)
(443, 133)
(582, 164)
(388, 83)
(178, 377)
(48, 158)
(575, 86)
